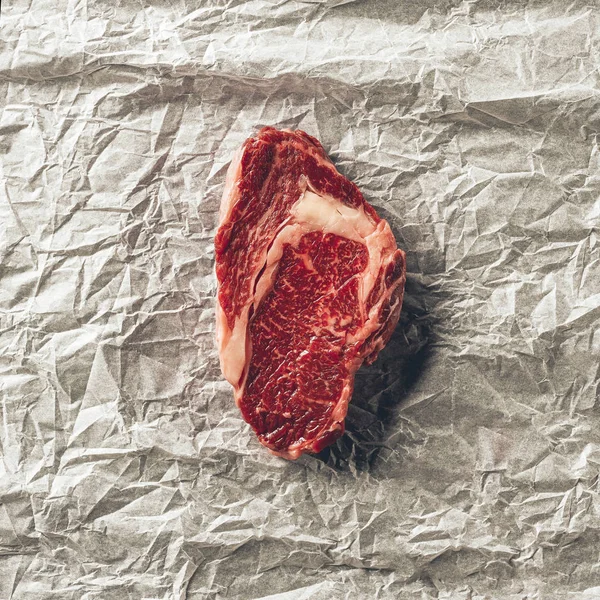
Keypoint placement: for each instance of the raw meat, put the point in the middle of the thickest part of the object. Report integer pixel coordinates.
(310, 287)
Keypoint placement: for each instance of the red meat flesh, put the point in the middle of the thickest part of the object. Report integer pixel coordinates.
(310, 286)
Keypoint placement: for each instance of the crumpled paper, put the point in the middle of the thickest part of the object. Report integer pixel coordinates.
(471, 463)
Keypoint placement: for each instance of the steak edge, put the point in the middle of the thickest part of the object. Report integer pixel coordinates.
(310, 286)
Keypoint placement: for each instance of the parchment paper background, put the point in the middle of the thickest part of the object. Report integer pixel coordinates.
(471, 465)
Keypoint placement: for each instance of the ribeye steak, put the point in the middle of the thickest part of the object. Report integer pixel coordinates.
(310, 287)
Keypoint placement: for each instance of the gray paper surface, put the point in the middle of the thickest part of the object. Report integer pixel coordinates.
(471, 463)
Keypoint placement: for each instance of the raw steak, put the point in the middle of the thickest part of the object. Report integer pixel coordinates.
(310, 287)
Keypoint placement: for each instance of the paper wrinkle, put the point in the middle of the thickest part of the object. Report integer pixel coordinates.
(472, 455)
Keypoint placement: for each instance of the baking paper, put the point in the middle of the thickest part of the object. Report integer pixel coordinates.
(470, 466)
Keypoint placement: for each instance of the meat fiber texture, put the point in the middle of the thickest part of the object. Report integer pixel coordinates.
(310, 287)
(469, 466)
